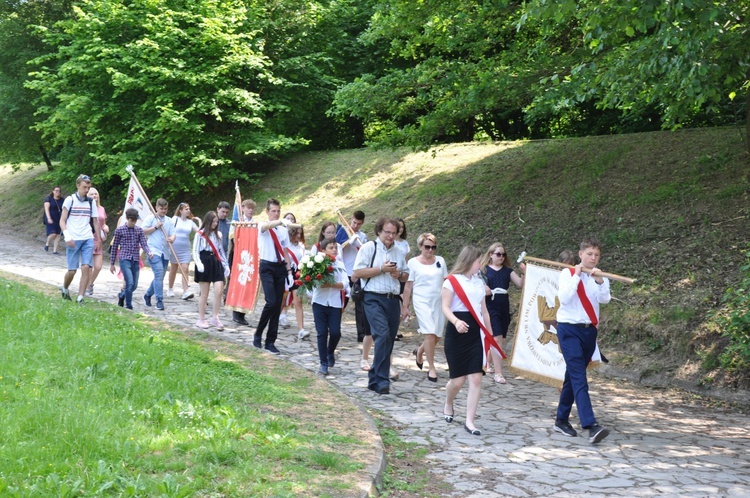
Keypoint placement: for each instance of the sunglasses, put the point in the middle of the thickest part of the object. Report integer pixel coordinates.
(85, 178)
(499, 254)
(429, 248)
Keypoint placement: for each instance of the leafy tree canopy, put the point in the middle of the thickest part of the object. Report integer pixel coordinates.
(174, 88)
(509, 69)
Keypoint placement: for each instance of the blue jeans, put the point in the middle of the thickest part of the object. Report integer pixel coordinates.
(383, 315)
(328, 326)
(130, 272)
(159, 266)
(578, 345)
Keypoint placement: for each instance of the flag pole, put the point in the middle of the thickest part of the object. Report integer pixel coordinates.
(129, 169)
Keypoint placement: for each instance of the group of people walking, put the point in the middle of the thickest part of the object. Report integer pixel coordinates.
(468, 306)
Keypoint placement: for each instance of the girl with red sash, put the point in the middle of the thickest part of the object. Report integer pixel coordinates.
(468, 331)
(211, 266)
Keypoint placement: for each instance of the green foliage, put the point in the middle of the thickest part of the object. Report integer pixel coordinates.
(175, 90)
(678, 61)
(734, 322)
(19, 43)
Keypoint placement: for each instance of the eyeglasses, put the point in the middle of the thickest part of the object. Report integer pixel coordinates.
(392, 234)
(429, 248)
(499, 254)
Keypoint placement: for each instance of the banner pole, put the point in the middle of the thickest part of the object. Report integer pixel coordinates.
(129, 169)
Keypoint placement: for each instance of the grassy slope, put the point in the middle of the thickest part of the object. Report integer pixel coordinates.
(670, 208)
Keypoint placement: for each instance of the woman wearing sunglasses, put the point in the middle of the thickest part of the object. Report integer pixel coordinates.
(498, 276)
(426, 275)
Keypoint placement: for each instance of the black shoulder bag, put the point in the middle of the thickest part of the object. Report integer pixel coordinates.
(358, 291)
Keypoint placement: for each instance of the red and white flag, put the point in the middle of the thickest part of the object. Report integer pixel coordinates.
(136, 199)
(245, 276)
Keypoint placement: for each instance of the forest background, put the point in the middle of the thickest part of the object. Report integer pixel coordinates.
(199, 94)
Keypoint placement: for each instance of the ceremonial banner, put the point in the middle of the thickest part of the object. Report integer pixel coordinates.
(536, 350)
(136, 198)
(244, 277)
(536, 354)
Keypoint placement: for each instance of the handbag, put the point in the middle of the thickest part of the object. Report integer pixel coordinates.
(357, 293)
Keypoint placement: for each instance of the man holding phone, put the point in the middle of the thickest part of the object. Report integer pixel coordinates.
(382, 300)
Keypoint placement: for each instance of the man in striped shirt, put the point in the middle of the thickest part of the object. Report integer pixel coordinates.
(75, 222)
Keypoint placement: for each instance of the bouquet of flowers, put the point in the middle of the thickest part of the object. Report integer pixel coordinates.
(314, 272)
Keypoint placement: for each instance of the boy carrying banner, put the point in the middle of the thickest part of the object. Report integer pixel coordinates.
(577, 318)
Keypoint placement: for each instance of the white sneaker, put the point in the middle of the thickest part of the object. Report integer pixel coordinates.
(187, 295)
(302, 334)
(170, 293)
(90, 290)
(283, 320)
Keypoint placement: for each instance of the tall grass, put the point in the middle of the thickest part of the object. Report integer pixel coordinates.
(93, 402)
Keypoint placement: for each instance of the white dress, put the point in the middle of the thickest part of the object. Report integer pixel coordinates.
(427, 281)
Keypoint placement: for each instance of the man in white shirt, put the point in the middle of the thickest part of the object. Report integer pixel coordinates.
(580, 295)
(160, 231)
(275, 273)
(382, 267)
(75, 222)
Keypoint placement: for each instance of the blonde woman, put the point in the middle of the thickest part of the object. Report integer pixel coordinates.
(99, 239)
(498, 276)
(423, 290)
(463, 300)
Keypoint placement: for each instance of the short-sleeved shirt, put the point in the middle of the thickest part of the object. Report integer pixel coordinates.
(383, 283)
(267, 247)
(474, 289)
(156, 240)
(80, 213)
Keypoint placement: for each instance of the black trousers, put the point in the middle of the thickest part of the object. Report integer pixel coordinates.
(272, 278)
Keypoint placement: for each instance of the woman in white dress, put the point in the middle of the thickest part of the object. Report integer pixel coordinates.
(422, 290)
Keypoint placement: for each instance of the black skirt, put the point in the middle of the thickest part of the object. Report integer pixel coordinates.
(464, 351)
(213, 271)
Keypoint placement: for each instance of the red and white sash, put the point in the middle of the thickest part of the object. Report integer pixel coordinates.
(277, 245)
(587, 306)
(211, 244)
(487, 340)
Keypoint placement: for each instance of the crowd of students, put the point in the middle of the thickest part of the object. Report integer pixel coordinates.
(467, 306)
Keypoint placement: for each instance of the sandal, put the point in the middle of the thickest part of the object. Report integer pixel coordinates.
(499, 379)
(364, 365)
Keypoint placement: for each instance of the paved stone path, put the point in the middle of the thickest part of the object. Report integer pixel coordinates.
(660, 444)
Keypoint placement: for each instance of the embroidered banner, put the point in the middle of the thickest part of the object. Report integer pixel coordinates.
(244, 278)
(536, 352)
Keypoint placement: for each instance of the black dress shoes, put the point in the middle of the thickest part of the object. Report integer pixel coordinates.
(239, 318)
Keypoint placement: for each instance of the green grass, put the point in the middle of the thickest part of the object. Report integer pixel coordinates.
(94, 401)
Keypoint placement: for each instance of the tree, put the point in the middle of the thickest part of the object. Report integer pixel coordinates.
(174, 88)
(687, 58)
(19, 44)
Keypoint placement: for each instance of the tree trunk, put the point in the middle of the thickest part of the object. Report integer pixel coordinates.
(46, 157)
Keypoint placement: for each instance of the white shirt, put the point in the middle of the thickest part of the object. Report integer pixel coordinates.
(349, 253)
(383, 283)
(571, 309)
(79, 216)
(403, 246)
(331, 296)
(266, 247)
(474, 289)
